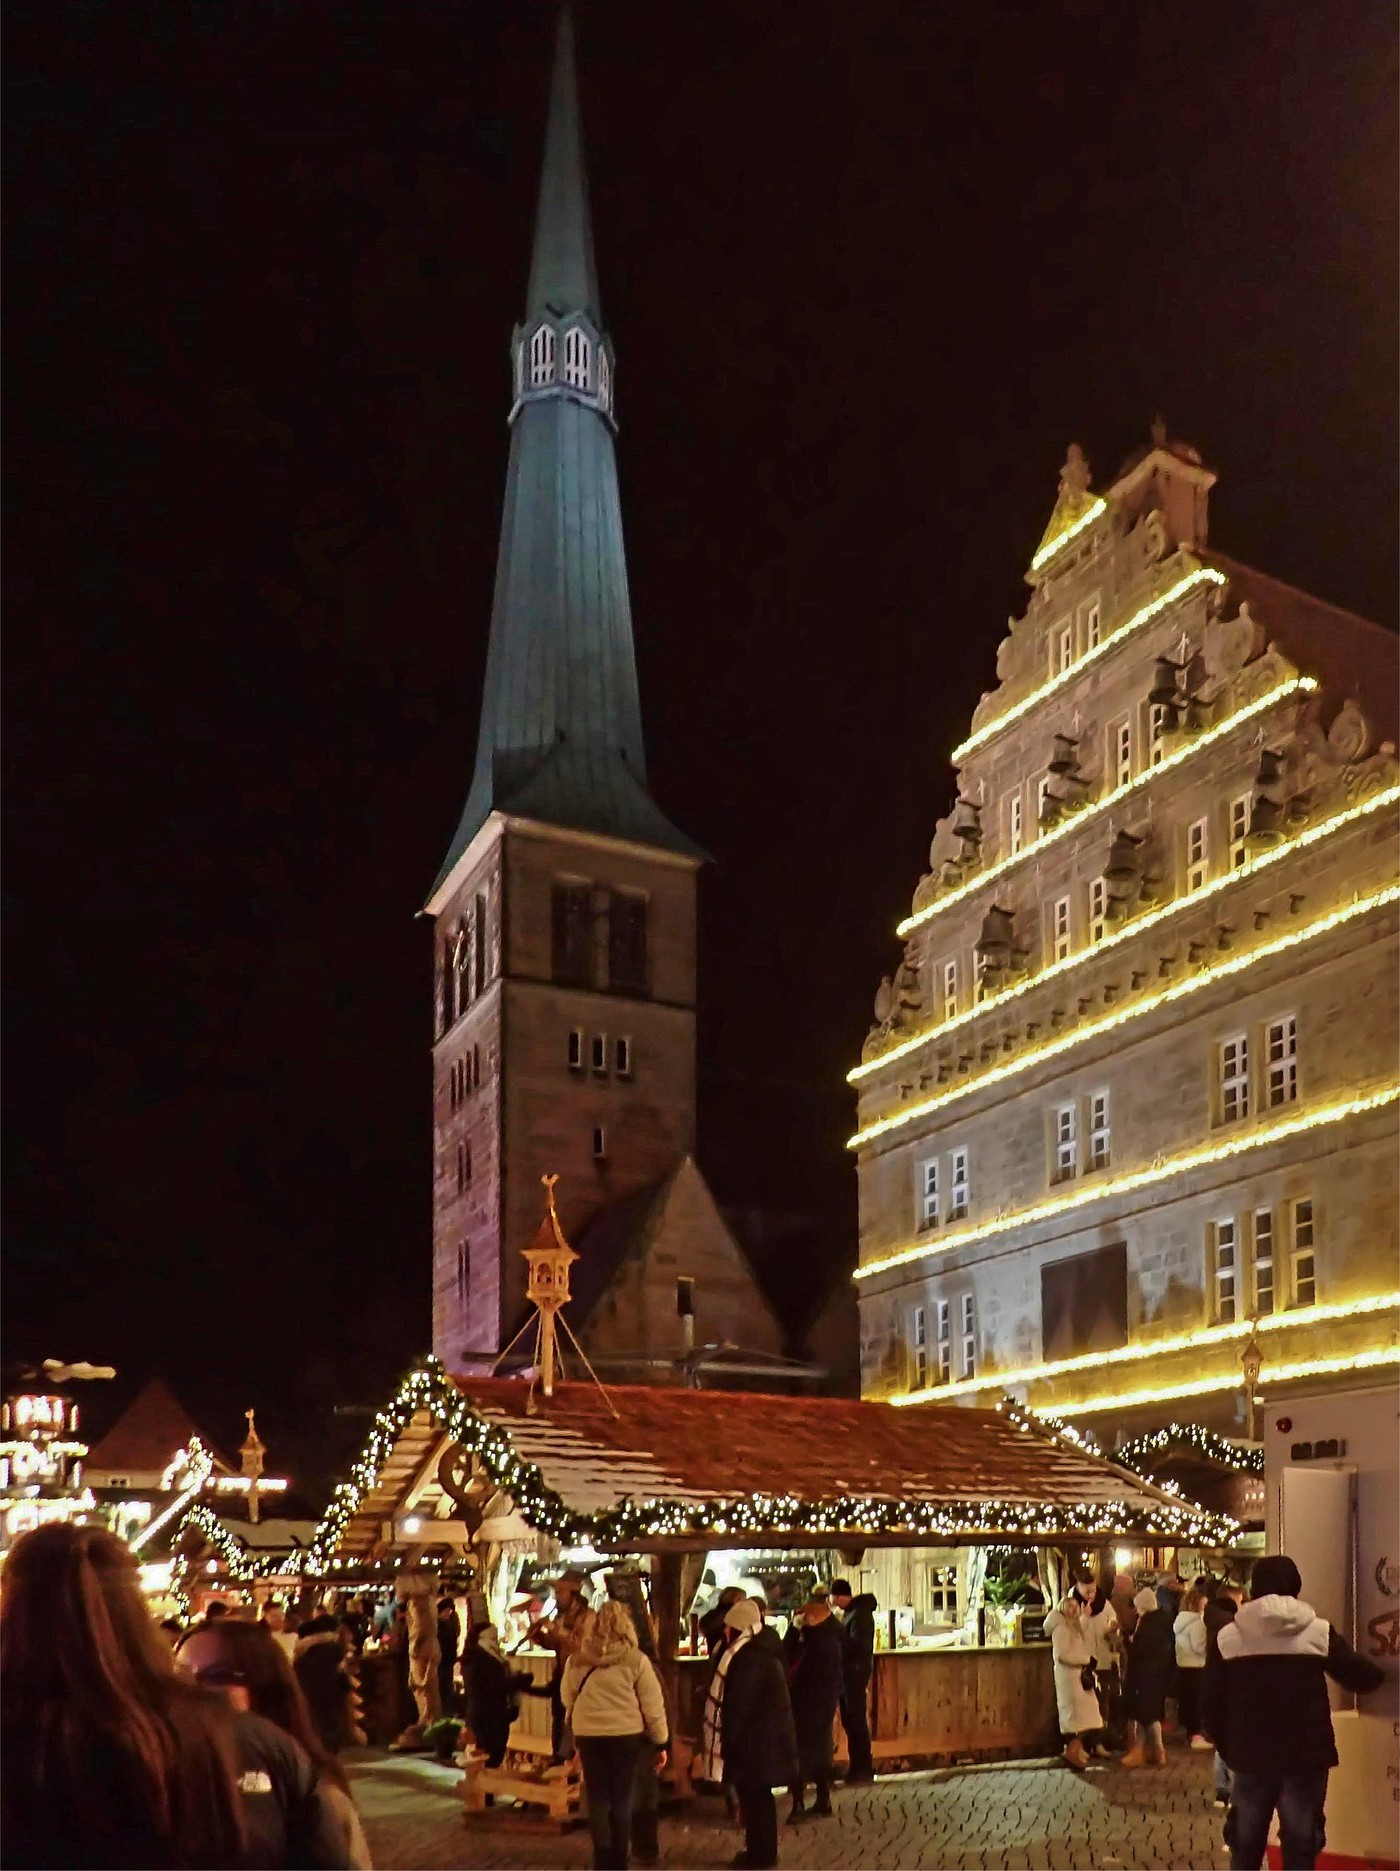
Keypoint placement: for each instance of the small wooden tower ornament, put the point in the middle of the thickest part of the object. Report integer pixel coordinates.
(250, 1457)
(548, 1259)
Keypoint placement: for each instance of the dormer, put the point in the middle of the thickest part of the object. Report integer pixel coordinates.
(562, 356)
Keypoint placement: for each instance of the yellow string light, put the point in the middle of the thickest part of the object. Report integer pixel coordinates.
(1082, 1197)
(1281, 692)
(1054, 547)
(1377, 1359)
(1152, 919)
(1092, 655)
(1201, 1340)
(1109, 1023)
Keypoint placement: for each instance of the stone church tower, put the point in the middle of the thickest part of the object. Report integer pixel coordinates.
(564, 972)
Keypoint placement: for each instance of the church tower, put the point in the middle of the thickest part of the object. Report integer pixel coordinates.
(564, 970)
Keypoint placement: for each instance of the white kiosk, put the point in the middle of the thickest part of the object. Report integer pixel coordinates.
(1332, 1479)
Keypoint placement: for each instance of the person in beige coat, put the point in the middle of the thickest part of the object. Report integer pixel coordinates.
(614, 1705)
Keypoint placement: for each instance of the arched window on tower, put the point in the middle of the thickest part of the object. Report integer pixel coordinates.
(542, 356)
(604, 379)
(577, 358)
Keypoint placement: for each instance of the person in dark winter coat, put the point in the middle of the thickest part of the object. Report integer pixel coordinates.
(449, 1636)
(1267, 1708)
(1220, 1611)
(319, 1662)
(816, 1674)
(712, 1627)
(750, 1740)
(858, 1645)
(1148, 1683)
(491, 1692)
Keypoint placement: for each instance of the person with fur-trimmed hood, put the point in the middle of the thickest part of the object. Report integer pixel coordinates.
(1079, 1631)
(1269, 1714)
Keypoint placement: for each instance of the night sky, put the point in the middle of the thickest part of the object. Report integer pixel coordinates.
(867, 268)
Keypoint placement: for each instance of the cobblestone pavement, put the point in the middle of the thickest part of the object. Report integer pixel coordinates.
(1013, 1818)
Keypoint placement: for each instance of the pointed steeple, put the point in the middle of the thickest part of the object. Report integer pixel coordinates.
(560, 740)
(563, 277)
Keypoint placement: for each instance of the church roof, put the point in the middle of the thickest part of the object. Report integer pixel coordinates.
(152, 1429)
(560, 739)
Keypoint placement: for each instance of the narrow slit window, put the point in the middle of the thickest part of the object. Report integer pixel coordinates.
(969, 1335)
(1156, 734)
(1121, 753)
(960, 1188)
(950, 990)
(576, 1049)
(1263, 1261)
(928, 1194)
(1225, 1268)
(1059, 929)
(600, 1141)
(918, 1340)
(599, 1055)
(1303, 1253)
(1015, 827)
(1234, 1079)
(1065, 1144)
(1099, 1139)
(1197, 855)
(944, 1340)
(1239, 830)
(1281, 1048)
(1098, 909)
(622, 1058)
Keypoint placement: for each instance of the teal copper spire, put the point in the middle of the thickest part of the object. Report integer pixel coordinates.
(560, 740)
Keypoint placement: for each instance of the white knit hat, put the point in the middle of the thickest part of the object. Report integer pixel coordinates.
(744, 1616)
(1145, 1601)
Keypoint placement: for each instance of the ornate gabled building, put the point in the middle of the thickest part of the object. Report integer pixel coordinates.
(1127, 1116)
(564, 974)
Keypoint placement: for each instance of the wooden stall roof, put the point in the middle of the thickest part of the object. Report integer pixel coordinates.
(640, 1468)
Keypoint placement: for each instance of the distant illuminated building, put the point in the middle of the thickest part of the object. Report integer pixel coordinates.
(1127, 1114)
(41, 1465)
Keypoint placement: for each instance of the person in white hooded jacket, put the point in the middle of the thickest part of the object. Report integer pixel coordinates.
(1079, 1631)
(1267, 1708)
(612, 1699)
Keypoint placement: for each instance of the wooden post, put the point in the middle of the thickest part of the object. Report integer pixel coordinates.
(666, 1613)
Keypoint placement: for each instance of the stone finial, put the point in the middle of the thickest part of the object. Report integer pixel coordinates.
(1158, 430)
(1074, 475)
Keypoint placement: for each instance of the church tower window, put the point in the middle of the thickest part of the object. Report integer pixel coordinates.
(542, 356)
(604, 379)
(627, 943)
(577, 358)
(572, 935)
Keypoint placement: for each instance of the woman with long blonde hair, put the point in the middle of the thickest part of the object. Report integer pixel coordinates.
(109, 1760)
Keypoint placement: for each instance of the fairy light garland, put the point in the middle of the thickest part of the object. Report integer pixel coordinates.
(1054, 547)
(1281, 692)
(1188, 1438)
(1380, 1358)
(1139, 925)
(1089, 1192)
(1134, 1010)
(1145, 615)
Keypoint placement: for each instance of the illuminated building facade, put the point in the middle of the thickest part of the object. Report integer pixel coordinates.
(564, 983)
(1127, 1115)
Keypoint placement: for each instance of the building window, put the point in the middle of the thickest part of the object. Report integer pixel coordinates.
(1064, 1129)
(479, 947)
(1263, 1261)
(1225, 1267)
(1234, 1079)
(1089, 615)
(456, 1084)
(959, 1191)
(918, 1341)
(1014, 825)
(1059, 929)
(622, 1058)
(1197, 854)
(1304, 1264)
(1156, 734)
(576, 1049)
(1120, 752)
(542, 356)
(1281, 1053)
(1084, 1302)
(950, 990)
(1098, 909)
(1061, 647)
(577, 356)
(1239, 830)
(1099, 1142)
(476, 1068)
(464, 1166)
(572, 934)
(969, 1336)
(944, 1329)
(604, 379)
(598, 1055)
(447, 1011)
(627, 943)
(927, 1215)
(600, 1141)
(1043, 802)
(464, 1271)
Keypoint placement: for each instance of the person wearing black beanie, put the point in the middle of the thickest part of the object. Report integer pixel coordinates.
(1269, 1714)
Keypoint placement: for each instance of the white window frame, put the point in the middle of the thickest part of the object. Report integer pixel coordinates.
(622, 1055)
(600, 1142)
(1061, 646)
(1061, 929)
(598, 1055)
(578, 358)
(1042, 793)
(1225, 1269)
(1281, 1061)
(1090, 614)
(1197, 854)
(943, 1339)
(1100, 1130)
(967, 1320)
(1239, 812)
(542, 346)
(1120, 751)
(926, 1211)
(1064, 1142)
(1156, 733)
(950, 990)
(959, 1185)
(1098, 909)
(1234, 1078)
(918, 1345)
(575, 1054)
(1262, 1273)
(1015, 822)
(1302, 1256)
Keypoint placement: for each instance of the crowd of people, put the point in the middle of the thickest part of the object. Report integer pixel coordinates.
(127, 1744)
